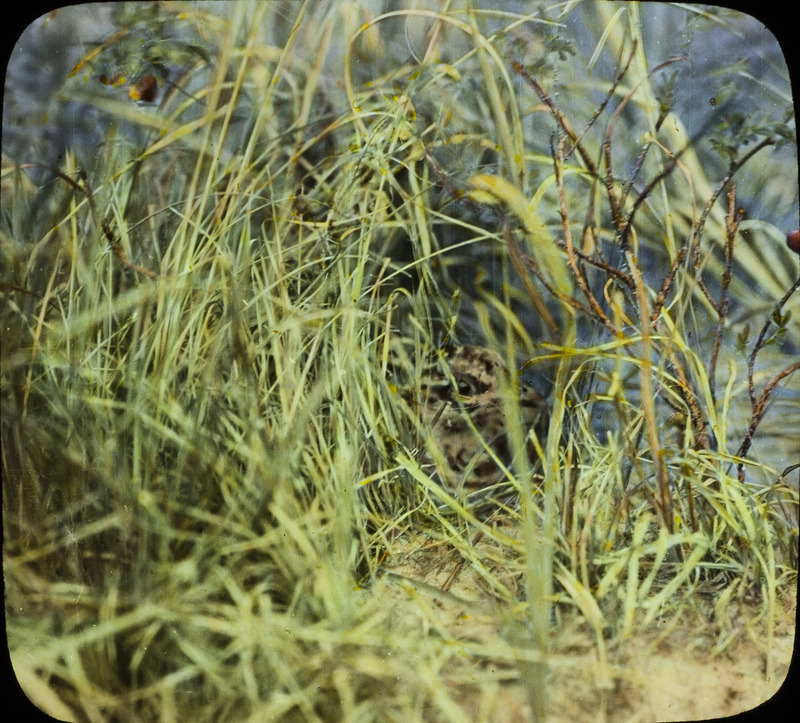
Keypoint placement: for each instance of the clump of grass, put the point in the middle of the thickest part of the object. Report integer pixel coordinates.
(212, 496)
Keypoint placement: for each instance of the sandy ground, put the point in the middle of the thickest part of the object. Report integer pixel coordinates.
(667, 672)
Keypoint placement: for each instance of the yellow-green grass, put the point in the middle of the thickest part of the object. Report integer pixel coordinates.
(213, 504)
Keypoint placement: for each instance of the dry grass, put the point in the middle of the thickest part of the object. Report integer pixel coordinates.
(212, 501)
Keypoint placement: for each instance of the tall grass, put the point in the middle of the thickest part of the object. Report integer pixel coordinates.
(213, 501)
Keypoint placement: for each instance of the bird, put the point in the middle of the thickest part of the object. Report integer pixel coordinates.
(463, 408)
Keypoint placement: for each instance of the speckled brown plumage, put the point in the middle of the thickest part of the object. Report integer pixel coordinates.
(460, 401)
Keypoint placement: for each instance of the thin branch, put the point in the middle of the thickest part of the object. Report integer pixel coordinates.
(690, 398)
(734, 167)
(609, 95)
(580, 277)
(621, 223)
(7, 286)
(637, 166)
(533, 292)
(663, 497)
(731, 227)
(616, 209)
(758, 412)
(648, 189)
(759, 345)
(112, 241)
(560, 118)
(617, 273)
(667, 285)
(555, 293)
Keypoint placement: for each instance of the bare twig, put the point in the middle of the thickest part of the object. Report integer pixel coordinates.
(19, 289)
(645, 194)
(759, 405)
(456, 193)
(533, 292)
(663, 498)
(731, 227)
(555, 293)
(112, 241)
(643, 153)
(560, 118)
(759, 409)
(759, 345)
(580, 277)
(666, 286)
(690, 398)
(604, 266)
(609, 95)
(637, 166)
(616, 203)
(701, 222)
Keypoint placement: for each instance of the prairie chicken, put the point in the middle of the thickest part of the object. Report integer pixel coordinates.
(461, 401)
